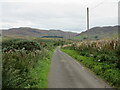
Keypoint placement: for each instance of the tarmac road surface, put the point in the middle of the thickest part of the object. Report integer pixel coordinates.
(65, 72)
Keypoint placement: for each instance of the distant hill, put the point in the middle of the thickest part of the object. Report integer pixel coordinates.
(32, 32)
(97, 33)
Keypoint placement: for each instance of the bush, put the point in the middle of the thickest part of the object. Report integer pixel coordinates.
(112, 76)
(20, 58)
(101, 56)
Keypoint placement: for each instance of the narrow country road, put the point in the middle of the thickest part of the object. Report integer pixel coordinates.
(65, 72)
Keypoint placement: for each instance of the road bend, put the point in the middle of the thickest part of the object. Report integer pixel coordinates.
(65, 72)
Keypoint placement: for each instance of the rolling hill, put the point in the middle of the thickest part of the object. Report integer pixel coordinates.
(97, 33)
(32, 32)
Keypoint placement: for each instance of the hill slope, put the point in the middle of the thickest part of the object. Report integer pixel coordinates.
(25, 31)
(98, 33)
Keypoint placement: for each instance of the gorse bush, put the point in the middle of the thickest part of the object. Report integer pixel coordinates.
(20, 44)
(17, 66)
(20, 60)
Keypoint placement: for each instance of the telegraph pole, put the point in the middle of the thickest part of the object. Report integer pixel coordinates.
(87, 18)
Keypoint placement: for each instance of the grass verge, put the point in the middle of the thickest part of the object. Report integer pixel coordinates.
(40, 73)
(104, 70)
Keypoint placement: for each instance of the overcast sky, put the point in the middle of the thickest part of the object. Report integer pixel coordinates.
(67, 15)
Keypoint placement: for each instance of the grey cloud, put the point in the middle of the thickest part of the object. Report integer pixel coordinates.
(66, 16)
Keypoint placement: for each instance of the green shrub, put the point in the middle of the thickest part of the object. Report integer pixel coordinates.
(113, 76)
(101, 57)
(22, 61)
